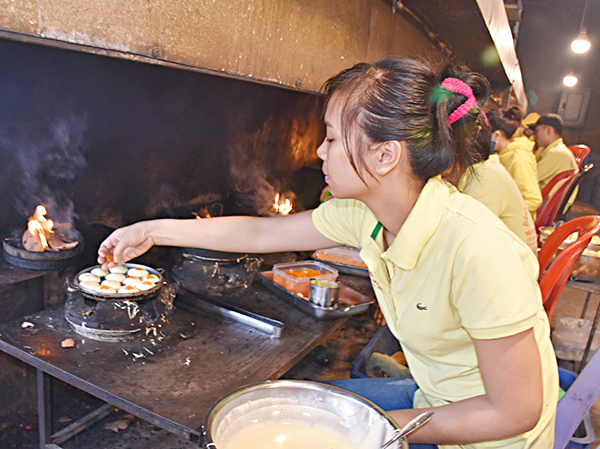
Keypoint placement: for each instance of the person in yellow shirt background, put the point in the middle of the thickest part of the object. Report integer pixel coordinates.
(552, 155)
(489, 182)
(516, 155)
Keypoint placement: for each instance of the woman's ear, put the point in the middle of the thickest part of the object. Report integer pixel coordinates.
(389, 155)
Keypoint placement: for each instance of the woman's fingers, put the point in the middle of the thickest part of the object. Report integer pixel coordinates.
(123, 245)
(106, 249)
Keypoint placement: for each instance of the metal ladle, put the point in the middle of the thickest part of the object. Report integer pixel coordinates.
(410, 427)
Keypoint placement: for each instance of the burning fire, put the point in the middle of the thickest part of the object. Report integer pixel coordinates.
(281, 206)
(203, 214)
(40, 235)
(40, 227)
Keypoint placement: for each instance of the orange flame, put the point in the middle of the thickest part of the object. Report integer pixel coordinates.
(41, 227)
(203, 214)
(282, 207)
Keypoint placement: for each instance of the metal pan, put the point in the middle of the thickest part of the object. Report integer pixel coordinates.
(136, 296)
(207, 255)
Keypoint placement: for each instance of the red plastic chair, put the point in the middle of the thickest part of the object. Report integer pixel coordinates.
(547, 212)
(558, 177)
(580, 152)
(553, 280)
(565, 207)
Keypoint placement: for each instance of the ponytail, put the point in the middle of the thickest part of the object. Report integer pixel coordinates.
(403, 99)
(461, 122)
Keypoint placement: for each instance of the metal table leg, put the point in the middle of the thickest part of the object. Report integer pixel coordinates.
(44, 410)
(590, 339)
(83, 423)
(585, 306)
(44, 402)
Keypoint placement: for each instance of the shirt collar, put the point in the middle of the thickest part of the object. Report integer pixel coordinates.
(541, 152)
(421, 224)
(470, 172)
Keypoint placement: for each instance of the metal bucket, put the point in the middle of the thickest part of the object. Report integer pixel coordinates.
(349, 417)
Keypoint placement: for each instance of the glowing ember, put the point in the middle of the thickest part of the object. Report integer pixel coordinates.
(203, 213)
(40, 236)
(282, 207)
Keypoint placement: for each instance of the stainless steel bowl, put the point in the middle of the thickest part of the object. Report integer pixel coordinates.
(347, 416)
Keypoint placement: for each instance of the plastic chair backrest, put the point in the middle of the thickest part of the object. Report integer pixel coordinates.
(553, 280)
(578, 399)
(580, 152)
(547, 213)
(556, 276)
(555, 180)
(564, 208)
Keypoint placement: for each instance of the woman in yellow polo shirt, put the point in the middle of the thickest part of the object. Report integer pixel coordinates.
(456, 287)
(489, 182)
(516, 154)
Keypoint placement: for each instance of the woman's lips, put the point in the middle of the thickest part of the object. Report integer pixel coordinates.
(326, 178)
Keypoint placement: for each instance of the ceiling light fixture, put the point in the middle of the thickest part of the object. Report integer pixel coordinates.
(581, 44)
(570, 80)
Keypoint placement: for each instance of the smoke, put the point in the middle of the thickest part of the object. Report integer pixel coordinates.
(49, 155)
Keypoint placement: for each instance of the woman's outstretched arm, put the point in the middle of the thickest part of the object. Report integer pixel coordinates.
(294, 232)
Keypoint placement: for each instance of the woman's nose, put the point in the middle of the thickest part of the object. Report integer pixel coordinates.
(321, 152)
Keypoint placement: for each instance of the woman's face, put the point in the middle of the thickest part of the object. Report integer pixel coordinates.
(341, 177)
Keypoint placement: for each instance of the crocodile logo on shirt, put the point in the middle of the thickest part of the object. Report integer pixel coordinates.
(422, 306)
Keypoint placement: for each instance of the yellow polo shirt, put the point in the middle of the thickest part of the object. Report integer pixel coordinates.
(552, 160)
(519, 160)
(490, 184)
(453, 273)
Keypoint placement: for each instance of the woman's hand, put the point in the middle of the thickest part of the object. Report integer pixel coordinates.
(125, 244)
(379, 318)
(512, 376)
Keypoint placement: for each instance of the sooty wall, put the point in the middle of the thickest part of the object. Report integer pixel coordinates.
(112, 141)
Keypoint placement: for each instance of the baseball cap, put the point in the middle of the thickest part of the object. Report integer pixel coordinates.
(530, 119)
(553, 120)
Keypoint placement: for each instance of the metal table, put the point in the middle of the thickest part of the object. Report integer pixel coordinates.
(589, 287)
(171, 379)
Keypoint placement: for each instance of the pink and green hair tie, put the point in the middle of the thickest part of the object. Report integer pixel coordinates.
(460, 87)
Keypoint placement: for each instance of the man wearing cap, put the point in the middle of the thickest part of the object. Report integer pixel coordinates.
(552, 155)
(523, 131)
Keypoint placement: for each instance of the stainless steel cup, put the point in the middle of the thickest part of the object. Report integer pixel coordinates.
(324, 293)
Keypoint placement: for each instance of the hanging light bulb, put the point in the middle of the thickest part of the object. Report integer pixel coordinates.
(581, 44)
(570, 80)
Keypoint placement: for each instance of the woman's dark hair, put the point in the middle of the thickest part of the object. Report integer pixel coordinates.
(514, 114)
(500, 123)
(401, 99)
(482, 142)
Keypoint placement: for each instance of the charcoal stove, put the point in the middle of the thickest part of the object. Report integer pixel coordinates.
(17, 255)
(106, 318)
(214, 273)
